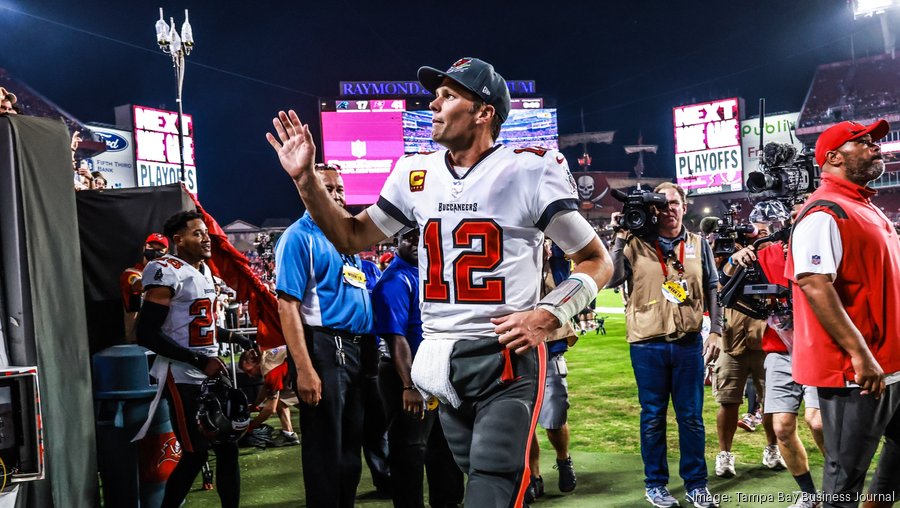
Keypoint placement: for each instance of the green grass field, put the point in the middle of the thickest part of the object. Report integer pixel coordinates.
(605, 445)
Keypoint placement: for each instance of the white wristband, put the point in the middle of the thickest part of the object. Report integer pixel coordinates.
(572, 295)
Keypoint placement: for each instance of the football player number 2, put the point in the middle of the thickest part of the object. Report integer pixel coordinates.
(201, 329)
(487, 258)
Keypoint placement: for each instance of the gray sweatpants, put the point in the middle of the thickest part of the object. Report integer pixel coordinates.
(854, 425)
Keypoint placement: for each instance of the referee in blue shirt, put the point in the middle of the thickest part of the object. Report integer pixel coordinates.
(326, 317)
(414, 432)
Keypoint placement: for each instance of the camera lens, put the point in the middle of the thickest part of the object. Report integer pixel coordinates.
(760, 182)
(635, 219)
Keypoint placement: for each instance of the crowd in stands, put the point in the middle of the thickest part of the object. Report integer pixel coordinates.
(27, 104)
(860, 89)
(262, 258)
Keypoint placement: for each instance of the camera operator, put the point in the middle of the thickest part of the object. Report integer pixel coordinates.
(844, 259)
(672, 280)
(743, 354)
(783, 395)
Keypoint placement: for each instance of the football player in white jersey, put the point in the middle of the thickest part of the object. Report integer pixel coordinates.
(178, 322)
(483, 210)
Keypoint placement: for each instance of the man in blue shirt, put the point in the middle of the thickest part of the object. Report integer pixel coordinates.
(414, 432)
(326, 317)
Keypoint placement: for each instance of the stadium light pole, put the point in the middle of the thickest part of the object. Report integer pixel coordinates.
(178, 46)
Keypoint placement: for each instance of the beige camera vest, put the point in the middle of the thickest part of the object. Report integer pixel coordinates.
(648, 314)
(741, 333)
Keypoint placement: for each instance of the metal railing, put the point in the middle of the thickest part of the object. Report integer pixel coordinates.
(243, 331)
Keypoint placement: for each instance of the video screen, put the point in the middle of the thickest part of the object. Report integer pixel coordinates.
(365, 144)
(367, 137)
(523, 128)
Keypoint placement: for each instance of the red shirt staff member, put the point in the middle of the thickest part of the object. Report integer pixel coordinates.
(131, 281)
(845, 261)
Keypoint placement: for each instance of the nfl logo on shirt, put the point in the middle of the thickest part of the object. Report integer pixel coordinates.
(816, 260)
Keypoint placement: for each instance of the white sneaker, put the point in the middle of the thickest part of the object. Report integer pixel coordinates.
(805, 500)
(772, 458)
(725, 464)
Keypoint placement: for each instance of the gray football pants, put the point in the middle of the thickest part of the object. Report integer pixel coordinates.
(490, 433)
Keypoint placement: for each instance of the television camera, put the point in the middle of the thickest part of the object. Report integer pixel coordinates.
(785, 175)
(639, 214)
(728, 232)
(784, 172)
(750, 292)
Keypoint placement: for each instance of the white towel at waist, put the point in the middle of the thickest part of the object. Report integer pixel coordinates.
(431, 371)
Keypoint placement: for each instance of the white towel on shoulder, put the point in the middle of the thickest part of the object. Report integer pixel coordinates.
(431, 371)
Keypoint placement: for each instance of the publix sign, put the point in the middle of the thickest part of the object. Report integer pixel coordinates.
(778, 129)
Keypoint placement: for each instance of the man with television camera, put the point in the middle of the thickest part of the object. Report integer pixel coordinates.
(743, 353)
(672, 280)
(783, 395)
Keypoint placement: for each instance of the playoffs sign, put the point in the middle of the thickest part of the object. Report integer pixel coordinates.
(157, 157)
(708, 155)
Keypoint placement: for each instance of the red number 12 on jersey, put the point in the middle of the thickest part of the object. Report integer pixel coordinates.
(492, 290)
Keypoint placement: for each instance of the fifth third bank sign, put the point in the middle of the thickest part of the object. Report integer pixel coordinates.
(708, 155)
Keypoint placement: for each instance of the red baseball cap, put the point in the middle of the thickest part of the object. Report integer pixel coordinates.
(838, 134)
(157, 238)
(386, 258)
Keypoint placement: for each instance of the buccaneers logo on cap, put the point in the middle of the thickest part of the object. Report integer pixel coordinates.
(460, 65)
(417, 180)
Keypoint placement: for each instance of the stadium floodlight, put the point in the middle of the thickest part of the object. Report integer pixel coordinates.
(872, 7)
(178, 46)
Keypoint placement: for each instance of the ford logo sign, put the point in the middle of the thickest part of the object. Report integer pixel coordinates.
(114, 142)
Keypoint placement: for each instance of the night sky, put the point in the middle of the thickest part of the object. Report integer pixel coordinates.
(625, 64)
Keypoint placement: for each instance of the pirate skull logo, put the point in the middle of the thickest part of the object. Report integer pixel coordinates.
(585, 187)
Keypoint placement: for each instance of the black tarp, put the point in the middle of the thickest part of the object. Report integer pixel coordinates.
(46, 210)
(113, 225)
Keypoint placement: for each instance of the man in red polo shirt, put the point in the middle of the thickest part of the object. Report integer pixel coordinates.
(844, 259)
(130, 283)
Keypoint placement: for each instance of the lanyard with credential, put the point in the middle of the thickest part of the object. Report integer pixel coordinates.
(678, 265)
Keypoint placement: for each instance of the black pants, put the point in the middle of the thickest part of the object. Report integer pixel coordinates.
(331, 432)
(490, 433)
(375, 440)
(853, 425)
(416, 444)
(195, 451)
